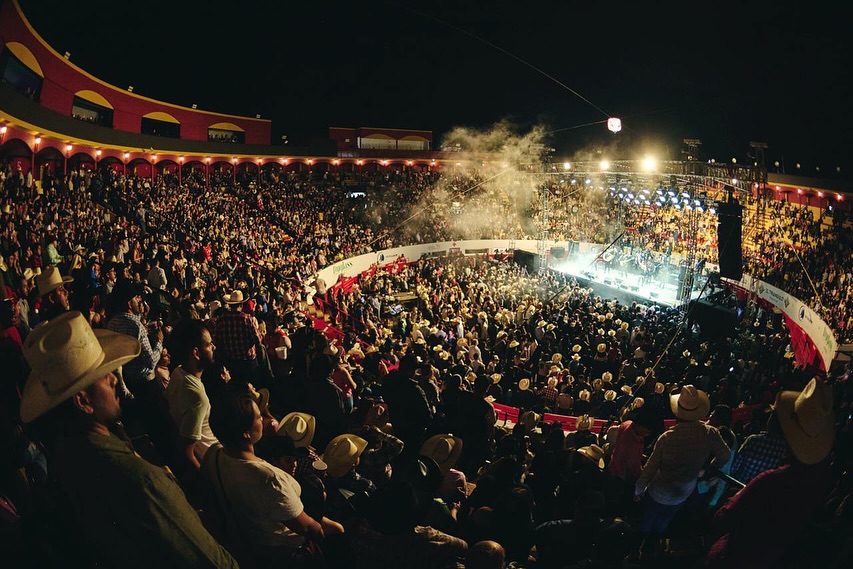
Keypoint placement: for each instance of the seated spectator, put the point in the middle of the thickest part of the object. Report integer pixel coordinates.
(261, 503)
(761, 521)
(132, 513)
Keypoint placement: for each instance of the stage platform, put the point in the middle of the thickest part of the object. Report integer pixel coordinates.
(625, 286)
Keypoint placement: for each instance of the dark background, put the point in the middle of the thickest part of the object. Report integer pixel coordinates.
(726, 73)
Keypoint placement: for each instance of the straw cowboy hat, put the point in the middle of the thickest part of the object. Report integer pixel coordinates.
(236, 297)
(496, 378)
(576, 348)
(50, 280)
(513, 344)
(691, 404)
(609, 395)
(593, 453)
(529, 420)
(66, 356)
(342, 452)
(607, 376)
(28, 274)
(524, 384)
(807, 421)
(444, 449)
(541, 324)
(576, 357)
(602, 347)
(584, 395)
(552, 382)
(299, 427)
(584, 423)
(623, 326)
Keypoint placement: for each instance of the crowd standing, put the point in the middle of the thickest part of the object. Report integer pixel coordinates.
(173, 394)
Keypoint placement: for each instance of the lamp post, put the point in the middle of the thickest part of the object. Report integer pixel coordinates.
(126, 157)
(234, 171)
(207, 171)
(68, 148)
(180, 170)
(35, 151)
(260, 161)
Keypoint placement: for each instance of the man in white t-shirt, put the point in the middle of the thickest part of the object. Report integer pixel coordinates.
(192, 348)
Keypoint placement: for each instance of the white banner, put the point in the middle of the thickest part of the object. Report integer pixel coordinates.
(814, 327)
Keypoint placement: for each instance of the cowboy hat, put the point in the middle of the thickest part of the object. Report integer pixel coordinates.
(607, 376)
(496, 378)
(593, 453)
(576, 357)
(691, 404)
(552, 382)
(28, 274)
(261, 397)
(50, 280)
(524, 384)
(66, 356)
(444, 449)
(602, 347)
(807, 421)
(299, 427)
(584, 395)
(236, 297)
(609, 395)
(342, 452)
(576, 348)
(584, 423)
(529, 420)
(558, 357)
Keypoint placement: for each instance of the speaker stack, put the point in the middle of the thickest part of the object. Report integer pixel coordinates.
(730, 215)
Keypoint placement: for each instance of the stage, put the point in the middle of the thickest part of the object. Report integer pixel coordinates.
(625, 286)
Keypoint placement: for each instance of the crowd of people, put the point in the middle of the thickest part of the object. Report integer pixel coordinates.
(176, 394)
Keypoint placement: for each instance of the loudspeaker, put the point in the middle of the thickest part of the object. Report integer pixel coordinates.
(558, 252)
(714, 321)
(525, 259)
(730, 215)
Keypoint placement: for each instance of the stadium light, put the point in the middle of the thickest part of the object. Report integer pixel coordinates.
(614, 124)
(649, 164)
(605, 165)
(567, 166)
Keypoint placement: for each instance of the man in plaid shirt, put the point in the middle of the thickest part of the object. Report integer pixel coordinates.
(760, 452)
(238, 340)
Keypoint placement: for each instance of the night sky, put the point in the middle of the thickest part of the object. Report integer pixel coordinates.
(724, 72)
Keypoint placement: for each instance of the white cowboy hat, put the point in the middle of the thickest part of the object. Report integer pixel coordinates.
(236, 297)
(807, 421)
(584, 423)
(691, 404)
(66, 356)
(50, 280)
(443, 449)
(28, 274)
(594, 454)
(342, 452)
(299, 427)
